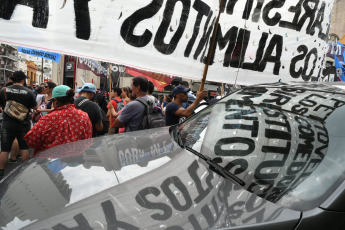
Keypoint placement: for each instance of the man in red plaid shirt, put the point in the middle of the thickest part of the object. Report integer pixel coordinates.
(62, 125)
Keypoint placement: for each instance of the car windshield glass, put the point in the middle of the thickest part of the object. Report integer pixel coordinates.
(277, 139)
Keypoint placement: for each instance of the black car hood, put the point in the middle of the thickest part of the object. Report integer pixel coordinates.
(130, 181)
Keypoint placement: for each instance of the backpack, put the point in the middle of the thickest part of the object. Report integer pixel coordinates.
(119, 106)
(105, 121)
(152, 116)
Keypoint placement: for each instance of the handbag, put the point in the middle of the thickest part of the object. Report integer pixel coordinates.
(15, 109)
(37, 116)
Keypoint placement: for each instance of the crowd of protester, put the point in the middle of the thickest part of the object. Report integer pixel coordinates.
(56, 114)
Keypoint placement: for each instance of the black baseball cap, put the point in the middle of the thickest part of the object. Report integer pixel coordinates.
(179, 89)
(19, 75)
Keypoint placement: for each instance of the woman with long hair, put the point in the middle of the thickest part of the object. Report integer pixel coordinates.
(46, 105)
(125, 95)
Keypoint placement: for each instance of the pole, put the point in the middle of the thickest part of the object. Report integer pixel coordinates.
(210, 49)
(74, 72)
(222, 92)
(5, 73)
(42, 73)
(82, 79)
(111, 116)
(109, 79)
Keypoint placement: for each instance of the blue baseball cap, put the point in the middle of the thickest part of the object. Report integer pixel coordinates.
(88, 87)
(179, 89)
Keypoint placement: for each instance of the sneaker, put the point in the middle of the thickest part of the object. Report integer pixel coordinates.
(12, 161)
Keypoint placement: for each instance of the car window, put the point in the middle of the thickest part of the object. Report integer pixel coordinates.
(277, 140)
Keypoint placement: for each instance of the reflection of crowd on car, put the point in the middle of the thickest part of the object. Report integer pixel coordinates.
(56, 114)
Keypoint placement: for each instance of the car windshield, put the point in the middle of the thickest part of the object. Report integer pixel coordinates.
(285, 142)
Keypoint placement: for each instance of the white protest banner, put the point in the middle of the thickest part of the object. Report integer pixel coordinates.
(258, 41)
(97, 69)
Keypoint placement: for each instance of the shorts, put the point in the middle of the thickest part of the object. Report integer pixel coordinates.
(8, 135)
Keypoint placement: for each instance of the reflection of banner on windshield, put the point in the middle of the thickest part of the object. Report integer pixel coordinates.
(258, 138)
(181, 194)
(257, 41)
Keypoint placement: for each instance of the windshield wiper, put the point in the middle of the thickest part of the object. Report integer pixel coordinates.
(215, 167)
(176, 135)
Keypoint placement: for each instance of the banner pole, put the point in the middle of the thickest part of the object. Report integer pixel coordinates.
(111, 116)
(210, 49)
(109, 78)
(42, 78)
(222, 91)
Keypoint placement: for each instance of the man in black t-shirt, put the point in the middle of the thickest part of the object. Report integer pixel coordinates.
(174, 110)
(11, 127)
(85, 103)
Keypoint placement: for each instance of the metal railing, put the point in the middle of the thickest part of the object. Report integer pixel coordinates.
(10, 56)
(8, 67)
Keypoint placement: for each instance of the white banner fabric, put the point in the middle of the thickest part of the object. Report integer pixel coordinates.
(258, 41)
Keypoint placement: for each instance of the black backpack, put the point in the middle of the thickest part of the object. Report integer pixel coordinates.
(82, 104)
(152, 116)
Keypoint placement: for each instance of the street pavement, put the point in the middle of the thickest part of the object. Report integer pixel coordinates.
(10, 166)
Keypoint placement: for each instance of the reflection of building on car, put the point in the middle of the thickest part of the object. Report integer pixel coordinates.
(267, 156)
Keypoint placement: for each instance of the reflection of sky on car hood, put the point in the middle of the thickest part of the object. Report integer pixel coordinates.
(17, 224)
(93, 181)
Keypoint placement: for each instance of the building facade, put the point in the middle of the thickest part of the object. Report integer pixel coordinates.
(31, 72)
(8, 61)
(337, 30)
(69, 72)
(42, 69)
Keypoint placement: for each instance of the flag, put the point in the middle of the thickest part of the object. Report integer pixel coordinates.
(158, 80)
(340, 70)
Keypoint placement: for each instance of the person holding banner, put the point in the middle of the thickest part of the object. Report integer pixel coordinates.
(191, 97)
(174, 110)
